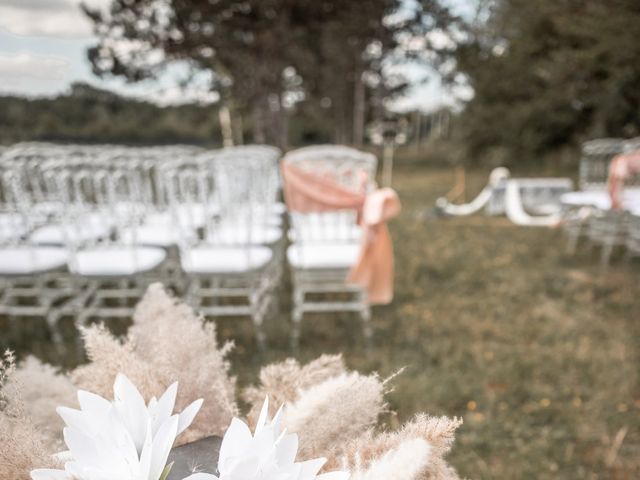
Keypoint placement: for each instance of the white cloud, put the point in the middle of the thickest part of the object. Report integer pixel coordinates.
(25, 65)
(51, 18)
(43, 74)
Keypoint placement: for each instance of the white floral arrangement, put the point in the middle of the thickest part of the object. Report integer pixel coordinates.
(314, 421)
(126, 439)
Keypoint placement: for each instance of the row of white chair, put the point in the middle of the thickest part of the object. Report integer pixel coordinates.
(96, 225)
(113, 222)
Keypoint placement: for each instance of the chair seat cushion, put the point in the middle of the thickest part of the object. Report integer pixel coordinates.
(112, 261)
(338, 234)
(188, 215)
(225, 259)
(156, 235)
(91, 229)
(29, 260)
(242, 234)
(323, 255)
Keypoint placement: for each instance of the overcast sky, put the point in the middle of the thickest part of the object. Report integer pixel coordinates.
(43, 50)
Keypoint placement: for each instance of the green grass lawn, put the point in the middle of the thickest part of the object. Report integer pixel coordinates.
(537, 351)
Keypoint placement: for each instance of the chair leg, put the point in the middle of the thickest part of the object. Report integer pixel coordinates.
(258, 308)
(605, 256)
(572, 243)
(365, 314)
(52, 318)
(192, 293)
(297, 313)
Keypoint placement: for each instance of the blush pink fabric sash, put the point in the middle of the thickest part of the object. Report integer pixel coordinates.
(307, 192)
(622, 167)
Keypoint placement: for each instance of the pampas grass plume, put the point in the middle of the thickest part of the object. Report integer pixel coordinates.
(282, 382)
(334, 411)
(21, 445)
(405, 462)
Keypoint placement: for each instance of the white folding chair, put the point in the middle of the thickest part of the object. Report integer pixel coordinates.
(229, 269)
(607, 229)
(326, 245)
(31, 276)
(116, 268)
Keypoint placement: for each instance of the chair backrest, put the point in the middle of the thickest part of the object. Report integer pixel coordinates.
(99, 198)
(250, 172)
(341, 163)
(15, 202)
(227, 194)
(594, 162)
(344, 165)
(189, 186)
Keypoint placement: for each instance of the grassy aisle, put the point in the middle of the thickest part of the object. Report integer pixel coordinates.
(537, 351)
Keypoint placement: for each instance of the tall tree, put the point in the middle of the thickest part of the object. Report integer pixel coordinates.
(265, 55)
(550, 72)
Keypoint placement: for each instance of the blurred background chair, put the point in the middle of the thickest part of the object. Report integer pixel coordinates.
(231, 261)
(32, 277)
(113, 270)
(589, 212)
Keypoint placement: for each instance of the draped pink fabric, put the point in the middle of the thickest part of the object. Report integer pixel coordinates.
(307, 192)
(622, 167)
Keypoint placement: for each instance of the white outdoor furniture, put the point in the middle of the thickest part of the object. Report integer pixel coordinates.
(539, 196)
(230, 263)
(29, 283)
(326, 245)
(588, 212)
(633, 233)
(525, 201)
(111, 270)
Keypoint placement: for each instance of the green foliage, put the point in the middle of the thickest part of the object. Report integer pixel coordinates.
(550, 72)
(87, 114)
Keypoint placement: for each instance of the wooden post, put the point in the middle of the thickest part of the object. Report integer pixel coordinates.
(387, 163)
(225, 125)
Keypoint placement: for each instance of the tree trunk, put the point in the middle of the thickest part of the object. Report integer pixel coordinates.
(283, 139)
(225, 126)
(418, 131)
(258, 123)
(358, 110)
(238, 129)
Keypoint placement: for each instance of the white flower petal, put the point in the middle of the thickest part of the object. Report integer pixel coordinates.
(334, 476)
(92, 404)
(81, 446)
(201, 476)
(73, 418)
(235, 439)
(162, 443)
(262, 419)
(49, 474)
(287, 449)
(188, 414)
(145, 456)
(310, 468)
(131, 408)
(277, 418)
(165, 405)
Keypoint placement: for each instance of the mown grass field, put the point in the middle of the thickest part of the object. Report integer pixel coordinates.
(538, 351)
